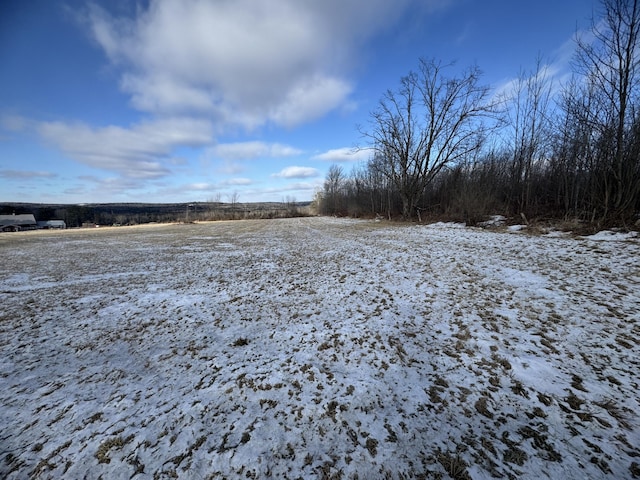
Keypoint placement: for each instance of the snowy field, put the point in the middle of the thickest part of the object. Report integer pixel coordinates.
(318, 348)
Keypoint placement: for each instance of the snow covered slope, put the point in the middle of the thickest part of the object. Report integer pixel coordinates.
(318, 348)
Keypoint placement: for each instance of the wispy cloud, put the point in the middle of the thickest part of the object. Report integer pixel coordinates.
(141, 151)
(251, 150)
(304, 186)
(25, 174)
(92, 188)
(231, 158)
(231, 168)
(343, 155)
(554, 71)
(14, 123)
(276, 194)
(201, 186)
(238, 181)
(297, 172)
(547, 74)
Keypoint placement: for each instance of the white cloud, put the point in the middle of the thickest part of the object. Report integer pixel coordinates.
(304, 186)
(162, 94)
(138, 152)
(244, 62)
(200, 68)
(301, 191)
(341, 155)
(548, 74)
(239, 181)
(309, 100)
(201, 186)
(297, 172)
(251, 150)
(231, 168)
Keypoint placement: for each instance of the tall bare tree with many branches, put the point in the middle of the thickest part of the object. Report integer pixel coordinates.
(610, 61)
(430, 122)
(528, 130)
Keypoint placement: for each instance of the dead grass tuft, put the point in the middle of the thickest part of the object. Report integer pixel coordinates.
(502, 361)
(518, 388)
(454, 465)
(240, 342)
(574, 401)
(545, 399)
(482, 409)
(102, 454)
(372, 446)
(515, 455)
(616, 412)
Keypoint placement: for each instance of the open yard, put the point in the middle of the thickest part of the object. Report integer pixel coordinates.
(318, 348)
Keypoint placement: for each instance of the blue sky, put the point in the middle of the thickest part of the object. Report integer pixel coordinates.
(195, 100)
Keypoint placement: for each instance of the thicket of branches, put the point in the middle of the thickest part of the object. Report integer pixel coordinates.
(446, 145)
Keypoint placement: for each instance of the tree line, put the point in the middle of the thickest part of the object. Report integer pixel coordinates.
(141, 213)
(444, 144)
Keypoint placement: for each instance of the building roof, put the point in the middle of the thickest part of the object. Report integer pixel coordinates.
(52, 223)
(23, 220)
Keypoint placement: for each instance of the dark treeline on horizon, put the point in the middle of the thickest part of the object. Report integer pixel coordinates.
(140, 213)
(446, 146)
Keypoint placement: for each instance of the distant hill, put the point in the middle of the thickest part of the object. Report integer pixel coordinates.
(137, 213)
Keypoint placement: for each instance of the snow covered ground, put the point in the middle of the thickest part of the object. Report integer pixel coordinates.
(318, 348)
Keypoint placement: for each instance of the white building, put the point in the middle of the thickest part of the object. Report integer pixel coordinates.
(52, 224)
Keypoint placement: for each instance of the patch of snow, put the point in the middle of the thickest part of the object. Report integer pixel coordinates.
(557, 234)
(494, 221)
(446, 225)
(611, 236)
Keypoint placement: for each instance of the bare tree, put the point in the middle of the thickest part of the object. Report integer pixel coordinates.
(430, 122)
(530, 125)
(234, 198)
(214, 204)
(610, 61)
(332, 188)
(574, 165)
(291, 206)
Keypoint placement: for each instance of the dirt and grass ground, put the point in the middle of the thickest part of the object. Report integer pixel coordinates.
(318, 348)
